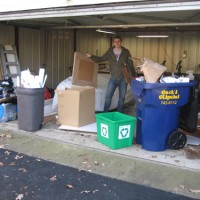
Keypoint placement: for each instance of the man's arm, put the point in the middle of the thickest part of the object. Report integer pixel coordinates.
(130, 64)
(99, 59)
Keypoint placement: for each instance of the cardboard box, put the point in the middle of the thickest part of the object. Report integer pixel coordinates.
(84, 71)
(152, 70)
(76, 106)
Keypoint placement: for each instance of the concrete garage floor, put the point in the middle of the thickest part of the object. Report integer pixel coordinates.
(175, 171)
(188, 157)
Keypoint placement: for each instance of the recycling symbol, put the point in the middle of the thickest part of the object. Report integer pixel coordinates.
(104, 130)
(124, 132)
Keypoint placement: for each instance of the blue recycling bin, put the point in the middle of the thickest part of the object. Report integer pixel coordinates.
(157, 109)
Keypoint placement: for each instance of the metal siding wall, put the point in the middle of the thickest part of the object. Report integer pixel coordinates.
(191, 44)
(197, 53)
(147, 48)
(193, 49)
(158, 49)
(161, 52)
(90, 41)
(169, 52)
(53, 49)
(7, 34)
(31, 42)
(169, 49)
(59, 51)
(177, 49)
(154, 49)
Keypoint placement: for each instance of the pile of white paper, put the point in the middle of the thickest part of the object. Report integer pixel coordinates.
(28, 80)
(169, 79)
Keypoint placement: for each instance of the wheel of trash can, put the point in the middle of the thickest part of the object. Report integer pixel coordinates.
(177, 140)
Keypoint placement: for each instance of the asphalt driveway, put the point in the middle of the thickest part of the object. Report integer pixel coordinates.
(25, 177)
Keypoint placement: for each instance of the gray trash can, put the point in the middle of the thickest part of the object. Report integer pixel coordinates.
(30, 103)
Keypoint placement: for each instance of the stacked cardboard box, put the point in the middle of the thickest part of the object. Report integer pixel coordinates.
(76, 106)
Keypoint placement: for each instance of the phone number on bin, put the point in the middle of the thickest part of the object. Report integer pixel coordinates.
(168, 102)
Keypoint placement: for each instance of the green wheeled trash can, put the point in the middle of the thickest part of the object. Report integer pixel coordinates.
(30, 104)
(157, 109)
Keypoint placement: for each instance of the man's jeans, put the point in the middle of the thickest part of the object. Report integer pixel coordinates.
(112, 85)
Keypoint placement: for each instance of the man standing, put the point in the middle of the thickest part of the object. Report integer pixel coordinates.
(118, 57)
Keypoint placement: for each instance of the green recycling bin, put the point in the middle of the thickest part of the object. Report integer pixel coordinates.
(115, 130)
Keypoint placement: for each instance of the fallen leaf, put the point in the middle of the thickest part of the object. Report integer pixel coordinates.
(81, 155)
(194, 191)
(86, 191)
(95, 191)
(7, 152)
(182, 186)
(22, 169)
(1, 164)
(18, 157)
(3, 135)
(104, 185)
(38, 160)
(79, 180)
(53, 178)
(9, 136)
(12, 164)
(96, 163)
(19, 197)
(192, 153)
(68, 186)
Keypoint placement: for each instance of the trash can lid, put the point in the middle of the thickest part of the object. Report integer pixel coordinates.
(138, 86)
(158, 85)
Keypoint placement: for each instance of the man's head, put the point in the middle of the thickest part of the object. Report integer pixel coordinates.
(117, 41)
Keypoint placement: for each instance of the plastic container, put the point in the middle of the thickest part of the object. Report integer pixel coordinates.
(189, 113)
(30, 108)
(8, 112)
(157, 108)
(115, 130)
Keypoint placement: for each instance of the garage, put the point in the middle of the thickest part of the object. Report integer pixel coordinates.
(47, 35)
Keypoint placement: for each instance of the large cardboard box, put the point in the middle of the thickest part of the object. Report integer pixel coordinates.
(76, 106)
(84, 71)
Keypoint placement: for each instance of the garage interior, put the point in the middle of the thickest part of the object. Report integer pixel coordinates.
(50, 42)
(48, 38)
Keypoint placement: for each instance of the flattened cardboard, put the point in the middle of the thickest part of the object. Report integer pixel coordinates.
(76, 106)
(91, 128)
(84, 71)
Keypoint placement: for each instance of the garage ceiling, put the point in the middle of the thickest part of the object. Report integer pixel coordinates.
(131, 16)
